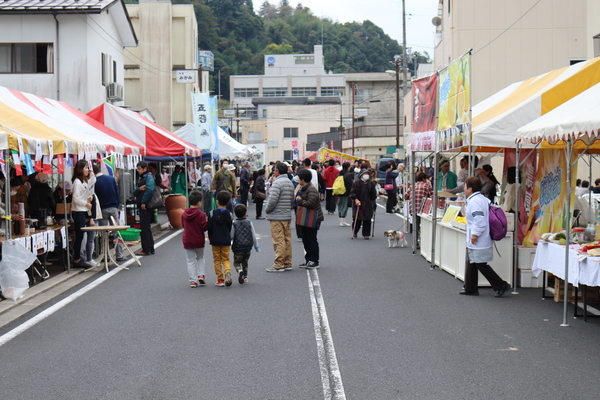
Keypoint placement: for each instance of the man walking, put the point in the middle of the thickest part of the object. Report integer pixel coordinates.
(245, 180)
(279, 214)
(206, 183)
(225, 180)
(108, 196)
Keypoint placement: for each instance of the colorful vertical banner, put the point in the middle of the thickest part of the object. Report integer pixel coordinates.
(547, 213)
(425, 104)
(295, 151)
(200, 111)
(109, 164)
(214, 122)
(527, 168)
(454, 104)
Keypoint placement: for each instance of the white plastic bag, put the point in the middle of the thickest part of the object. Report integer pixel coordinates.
(15, 260)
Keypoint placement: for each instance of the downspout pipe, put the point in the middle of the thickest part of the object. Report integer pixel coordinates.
(55, 69)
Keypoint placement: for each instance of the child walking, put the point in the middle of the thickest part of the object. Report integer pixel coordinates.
(219, 234)
(194, 224)
(244, 238)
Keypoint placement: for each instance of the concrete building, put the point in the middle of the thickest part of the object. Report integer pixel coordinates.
(65, 50)
(513, 40)
(297, 97)
(168, 42)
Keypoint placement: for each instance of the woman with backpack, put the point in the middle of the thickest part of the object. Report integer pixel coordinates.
(480, 248)
(347, 177)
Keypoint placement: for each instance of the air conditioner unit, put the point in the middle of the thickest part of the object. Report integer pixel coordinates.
(114, 91)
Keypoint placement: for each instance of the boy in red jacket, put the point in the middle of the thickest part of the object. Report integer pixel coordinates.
(194, 225)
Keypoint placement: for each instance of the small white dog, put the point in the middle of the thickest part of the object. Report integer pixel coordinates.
(394, 238)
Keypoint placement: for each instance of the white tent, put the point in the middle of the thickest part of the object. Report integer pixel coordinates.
(228, 147)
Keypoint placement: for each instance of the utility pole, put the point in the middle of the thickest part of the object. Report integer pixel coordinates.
(237, 122)
(404, 71)
(353, 87)
(397, 65)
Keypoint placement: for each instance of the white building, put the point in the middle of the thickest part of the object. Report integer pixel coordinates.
(168, 42)
(66, 50)
(513, 40)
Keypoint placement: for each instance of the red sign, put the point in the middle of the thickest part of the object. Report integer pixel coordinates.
(425, 104)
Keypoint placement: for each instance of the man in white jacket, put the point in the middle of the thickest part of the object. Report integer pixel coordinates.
(480, 247)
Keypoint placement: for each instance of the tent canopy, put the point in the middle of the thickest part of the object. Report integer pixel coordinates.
(157, 141)
(496, 119)
(228, 147)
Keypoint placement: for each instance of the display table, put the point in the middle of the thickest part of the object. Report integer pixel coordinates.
(451, 250)
(550, 257)
(106, 254)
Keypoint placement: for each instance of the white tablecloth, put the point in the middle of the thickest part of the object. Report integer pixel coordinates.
(550, 257)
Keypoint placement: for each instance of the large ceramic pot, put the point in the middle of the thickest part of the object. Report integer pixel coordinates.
(175, 218)
(174, 201)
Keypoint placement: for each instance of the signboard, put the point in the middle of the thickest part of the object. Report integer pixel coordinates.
(361, 112)
(295, 151)
(206, 60)
(229, 113)
(347, 121)
(326, 154)
(454, 102)
(200, 111)
(185, 76)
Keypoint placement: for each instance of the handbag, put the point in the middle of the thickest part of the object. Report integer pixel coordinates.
(156, 200)
(307, 217)
(388, 186)
(260, 195)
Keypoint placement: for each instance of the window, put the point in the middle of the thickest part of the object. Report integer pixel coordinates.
(245, 92)
(361, 95)
(264, 114)
(249, 112)
(309, 59)
(254, 137)
(290, 132)
(304, 91)
(274, 92)
(287, 154)
(26, 58)
(332, 91)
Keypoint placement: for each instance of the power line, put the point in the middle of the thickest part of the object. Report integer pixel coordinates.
(506, 30)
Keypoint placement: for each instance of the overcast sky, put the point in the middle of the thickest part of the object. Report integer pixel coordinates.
(387, 14)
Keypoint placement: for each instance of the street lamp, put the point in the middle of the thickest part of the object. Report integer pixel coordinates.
(396, 71)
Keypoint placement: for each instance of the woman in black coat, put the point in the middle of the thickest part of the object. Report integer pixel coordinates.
(259, 187)
(363, 196)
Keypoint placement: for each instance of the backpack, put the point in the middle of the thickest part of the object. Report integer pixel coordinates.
(339, 187)
(498, 223)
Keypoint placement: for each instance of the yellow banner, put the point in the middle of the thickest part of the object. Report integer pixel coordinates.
(454, 89)
(547, 212)
(326, 154)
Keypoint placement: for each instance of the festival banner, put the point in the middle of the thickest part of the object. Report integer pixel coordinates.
(327, 154)
(214, 122)
(200, 112)
(548, 211)
(454, 104)
(425, 104)
(526, 184)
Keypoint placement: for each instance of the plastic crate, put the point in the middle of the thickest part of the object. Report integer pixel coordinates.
(131, 234)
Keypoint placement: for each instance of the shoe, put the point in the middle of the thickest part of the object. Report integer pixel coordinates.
(228, 278)
(433, 267)
(303, 265)
(299, 239)
(345, 224)
(220, 283)
(288, 268)
(366, 237)
(312, 265)
(120, 259)
(260, 217)
(81, 264)
(468, 293)
(241, 277)
(245, 280)
(353, 237)
(193, 284)
(92, 263)
(502, 290)
(201, 280)
(273, 269)
(143, 253)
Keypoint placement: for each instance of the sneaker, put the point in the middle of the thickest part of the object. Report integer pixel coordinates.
(312, 265)
(299, 239)
(201, 280)
(241, 277)
(303, 265)
(220, 282)
(228, 278)
(273, 269)
(245, 279)
(193, 284)
(288, 268)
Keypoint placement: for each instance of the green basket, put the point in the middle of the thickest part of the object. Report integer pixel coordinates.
(131, 234)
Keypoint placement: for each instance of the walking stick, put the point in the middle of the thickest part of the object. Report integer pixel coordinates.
(355, 221)
(373, 227)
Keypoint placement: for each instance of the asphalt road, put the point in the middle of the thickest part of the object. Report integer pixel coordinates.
(372, 323)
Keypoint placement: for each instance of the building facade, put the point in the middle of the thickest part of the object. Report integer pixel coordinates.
(168, 42)
(68, 51)
(513, 40)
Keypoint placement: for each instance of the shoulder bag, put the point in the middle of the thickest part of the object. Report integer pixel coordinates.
(388, 186)
(307, 217)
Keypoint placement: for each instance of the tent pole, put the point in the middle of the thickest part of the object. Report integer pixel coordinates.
(185, 168)
(590, 194)
(7, 205)
(436, 160)
(567, 220)
(516, 223)
(66, 219)
(413, 206)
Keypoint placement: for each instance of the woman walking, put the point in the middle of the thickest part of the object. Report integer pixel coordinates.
(143, 192)
(480, 248)
(260, 192)
(392, 194)
(308, 197)
(363, 196)
(344, 199)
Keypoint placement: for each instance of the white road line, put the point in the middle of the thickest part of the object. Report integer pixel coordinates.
(52, 309)
(331, 377)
